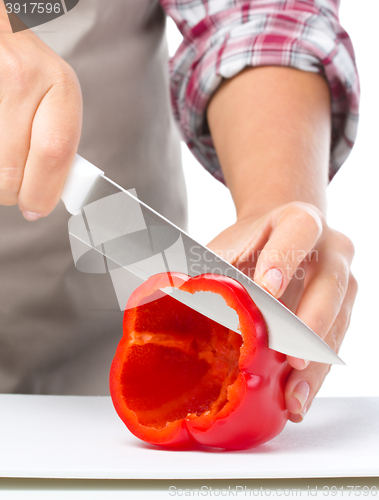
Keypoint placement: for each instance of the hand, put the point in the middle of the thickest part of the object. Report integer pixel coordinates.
(293, 254)
(40, 121)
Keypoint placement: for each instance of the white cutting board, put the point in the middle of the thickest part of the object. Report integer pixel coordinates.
(82, 437)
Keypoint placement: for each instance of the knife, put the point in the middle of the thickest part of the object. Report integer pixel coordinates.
(111, 230)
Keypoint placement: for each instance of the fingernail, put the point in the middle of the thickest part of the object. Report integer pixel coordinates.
(31, 215)
(301, 393)
(272, 280)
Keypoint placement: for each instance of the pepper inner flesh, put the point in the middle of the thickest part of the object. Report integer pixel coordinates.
(178, 362)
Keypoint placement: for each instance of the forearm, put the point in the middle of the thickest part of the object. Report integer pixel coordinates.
(271, 127)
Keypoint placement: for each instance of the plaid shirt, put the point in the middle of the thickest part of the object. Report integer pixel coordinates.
(222, 37)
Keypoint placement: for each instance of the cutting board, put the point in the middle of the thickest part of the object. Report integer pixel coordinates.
(82, 437)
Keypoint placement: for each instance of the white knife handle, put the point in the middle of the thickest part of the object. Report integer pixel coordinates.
(79, 182)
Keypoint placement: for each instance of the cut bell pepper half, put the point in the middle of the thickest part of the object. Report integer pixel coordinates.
(179, 378)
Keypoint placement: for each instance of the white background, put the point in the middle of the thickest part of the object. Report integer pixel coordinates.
(353, 207)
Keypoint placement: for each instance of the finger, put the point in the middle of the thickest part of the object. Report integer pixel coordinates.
(292, 294)
(295, 232)
(327, 280)
(16, 116)
(54, 141)
(302, 386)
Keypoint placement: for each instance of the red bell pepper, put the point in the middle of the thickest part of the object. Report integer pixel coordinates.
(179, 378)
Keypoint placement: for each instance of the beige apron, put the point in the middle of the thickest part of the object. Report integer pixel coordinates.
(58, 327)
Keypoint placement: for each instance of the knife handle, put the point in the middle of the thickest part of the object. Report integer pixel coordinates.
(79, 182)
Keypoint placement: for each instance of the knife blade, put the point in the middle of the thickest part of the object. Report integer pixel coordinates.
(112, 230)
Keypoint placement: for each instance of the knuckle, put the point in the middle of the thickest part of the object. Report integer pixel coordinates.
(337, 282)
(10, 179)
(334, 339)
(348, 245)
(17, 76)
(353, 283)
(66, 78)
(343, 244)
(324, 375)
(306, 216)
(317, 373)
(56, 151)
(320, 324)
(17, 71)
(341, 325)
(345, 314)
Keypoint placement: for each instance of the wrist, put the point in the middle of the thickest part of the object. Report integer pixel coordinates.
(267, 199)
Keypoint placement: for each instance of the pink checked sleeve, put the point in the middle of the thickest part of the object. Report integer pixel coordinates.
(222, 37)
